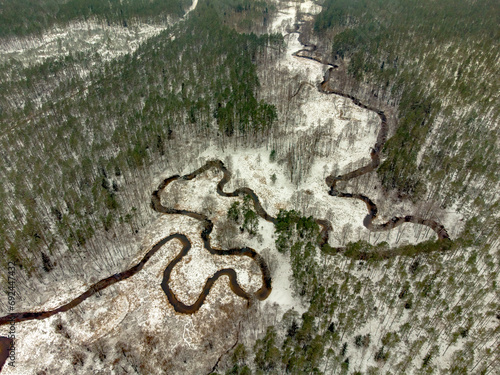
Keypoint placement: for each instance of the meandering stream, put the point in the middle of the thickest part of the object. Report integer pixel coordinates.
(266, 287)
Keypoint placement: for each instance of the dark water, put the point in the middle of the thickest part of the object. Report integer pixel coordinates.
(4, 350)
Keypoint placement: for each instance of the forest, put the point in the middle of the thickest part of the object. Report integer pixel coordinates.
(26, 17)
(84, 141)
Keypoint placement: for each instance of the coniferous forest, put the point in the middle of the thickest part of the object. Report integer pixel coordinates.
(87, 136)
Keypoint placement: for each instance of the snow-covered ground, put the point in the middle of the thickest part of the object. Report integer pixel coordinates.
(107, 41)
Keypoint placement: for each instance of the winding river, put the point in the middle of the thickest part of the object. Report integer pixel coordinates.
(331, 181)
(156, 204)
(266, 287)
